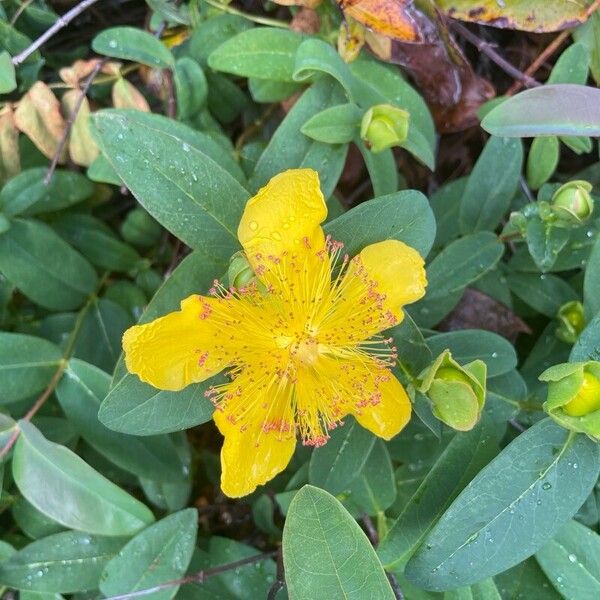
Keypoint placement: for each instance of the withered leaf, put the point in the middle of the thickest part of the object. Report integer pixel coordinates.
(477, 310)
(392, 18)
(526, 15)
(126, 95)
(10, 161)
(38, 116)
(82, 147)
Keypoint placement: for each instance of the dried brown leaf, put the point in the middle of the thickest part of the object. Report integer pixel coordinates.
(526, 15)
(38, 116)
(82, 147)
(126, 95)
(10, 160)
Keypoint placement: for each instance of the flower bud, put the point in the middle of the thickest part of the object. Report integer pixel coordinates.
(571, 321)
(384, 126)
(457, 393)
(572, 202)
(574, 396)
(239, 273)
(351, 39)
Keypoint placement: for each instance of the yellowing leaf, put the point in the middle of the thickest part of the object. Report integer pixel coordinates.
(392, 18)
(525, 15)
(79, 70)
(10, 161)
(126, 95)
(82, 147)
(38, 116)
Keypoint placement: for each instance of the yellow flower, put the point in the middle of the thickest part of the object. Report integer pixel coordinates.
(301, 344)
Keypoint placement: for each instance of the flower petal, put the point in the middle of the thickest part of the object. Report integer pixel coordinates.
(251, 457)
(390, 414)
(284, 217)
(175, 350)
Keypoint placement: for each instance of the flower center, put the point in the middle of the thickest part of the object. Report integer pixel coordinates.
(303, 349)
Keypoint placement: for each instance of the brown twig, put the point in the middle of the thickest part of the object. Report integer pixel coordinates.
(549, 50)
(61, 22)
(279, 582)
(171, 102)
(395, 586)
(370, 529)
(484, 47)
(197, 577)
(71, 120)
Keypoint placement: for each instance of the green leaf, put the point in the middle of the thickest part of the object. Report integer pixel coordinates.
(542, 160)
(267, 91)
(526, 580)
(572, 562)
(510, 510)
(557, 109)
(99, 339)
(80, 393)
(62, 563)
(334, 125)
(591, 282)
(97, 242)
(445, 203)
(8, 82)
(290, 149)
(63, 487)
(250, 581)
(403, 216)
(27, 364)
(484, 590)
(462, 262)
(545, 293)
(470, 344)
(375, 489)
(544, 242)
(191, 88)
(382, 169)
(325, 553)
(465, 455)
(413, 352)
(132, 43)
(138, 408)
(160, 553)
(28, 194)
(174, 178)
(32, 522)
(340, 461)
(587, 347)
(263, 52)
(487, 199)
(44, 267)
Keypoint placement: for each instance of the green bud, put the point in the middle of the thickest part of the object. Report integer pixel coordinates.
(572, 202)
(574, 396)
(571, 321)
(239, 273)
(140, 229)
(457, 393)
(384, 126)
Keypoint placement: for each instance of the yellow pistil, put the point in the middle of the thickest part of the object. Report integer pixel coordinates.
(303, 347)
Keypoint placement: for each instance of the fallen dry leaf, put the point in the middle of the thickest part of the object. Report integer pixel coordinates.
(477, 310)
(10, 161)
(397, 19)
(38, 116)
(82, 147)
(526, 15)
(306, 20)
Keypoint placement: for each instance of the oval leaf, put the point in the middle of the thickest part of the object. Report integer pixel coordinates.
(325, 553)
(63, 487)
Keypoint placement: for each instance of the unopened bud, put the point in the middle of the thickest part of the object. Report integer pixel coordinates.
(574, 396)
(239, 273)
(572, 202)
(571, 321)
(384, 126)
(457, 393)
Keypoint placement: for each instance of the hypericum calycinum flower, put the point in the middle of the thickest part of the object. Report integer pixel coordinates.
(302, 348)
(574, 396)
